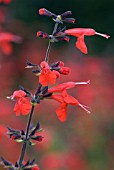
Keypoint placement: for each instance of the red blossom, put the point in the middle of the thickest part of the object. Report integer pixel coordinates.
(35, 168)
(47, 76)
(80, 33)
(64, 99)
(63, 70)
(18, 94)
(5, 41)
(5, 1)
(67, 85)
(22, 104)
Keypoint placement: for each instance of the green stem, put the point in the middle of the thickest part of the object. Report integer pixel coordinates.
(47, 52)
(26, 137)
(50, 43)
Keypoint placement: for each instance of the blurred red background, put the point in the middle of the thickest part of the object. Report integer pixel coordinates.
(83, 142)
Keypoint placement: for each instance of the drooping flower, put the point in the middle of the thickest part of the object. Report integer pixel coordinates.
(64, 98)
(22, 105)
(80, 33)
(5, 42)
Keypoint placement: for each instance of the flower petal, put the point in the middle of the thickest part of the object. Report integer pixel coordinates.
(69, 99)
(61, 87)
(80, 44)
(61, 112)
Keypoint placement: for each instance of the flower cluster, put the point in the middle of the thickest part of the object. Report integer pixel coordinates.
(20, 136)
(47, 73)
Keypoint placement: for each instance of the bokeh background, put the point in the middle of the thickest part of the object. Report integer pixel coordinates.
(83, 142)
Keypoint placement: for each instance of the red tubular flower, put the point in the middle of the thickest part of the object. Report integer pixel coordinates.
(64, 98)
(22, 104)
(47, 76)
(79, 33)
(67, 85)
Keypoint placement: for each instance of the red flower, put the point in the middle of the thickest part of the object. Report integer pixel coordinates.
(47, 76)
(79, 33)
(64, 98)
(5, 1)
(35, 168)
(18, 94)
(5, 40)
(63, 70)
(22, 104)
(67, 85)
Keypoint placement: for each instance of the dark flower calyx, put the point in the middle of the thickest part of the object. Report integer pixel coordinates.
(57, 36)
(6, 163)
(33, 130)
(30, 65)
(16, 135)
(44, 11)
(64, 17)
(66, 14)
(44, 90)
(37, 138)
(26, 91)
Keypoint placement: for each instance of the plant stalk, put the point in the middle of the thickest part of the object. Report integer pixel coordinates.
(26, 138)
(50, 43)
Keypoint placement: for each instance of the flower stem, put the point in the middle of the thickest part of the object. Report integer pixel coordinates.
(26, 138)
(47, 52)
(50, 43)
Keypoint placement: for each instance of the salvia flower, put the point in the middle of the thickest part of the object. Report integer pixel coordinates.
(64, 17)
(22, 105)
(80, 33)
(48, 73)
(64, 98)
